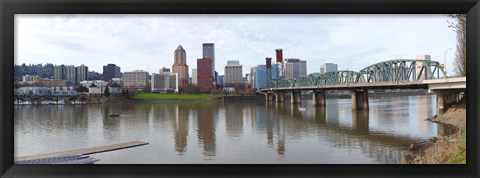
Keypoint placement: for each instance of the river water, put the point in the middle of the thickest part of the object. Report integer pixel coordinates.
(241, 132)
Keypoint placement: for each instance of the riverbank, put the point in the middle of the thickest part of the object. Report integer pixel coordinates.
(448, 149)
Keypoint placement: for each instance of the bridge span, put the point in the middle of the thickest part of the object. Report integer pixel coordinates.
(392, 74)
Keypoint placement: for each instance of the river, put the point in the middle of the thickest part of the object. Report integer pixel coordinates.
(241, 132)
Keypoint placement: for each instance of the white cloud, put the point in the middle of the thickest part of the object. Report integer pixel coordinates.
(147, 42)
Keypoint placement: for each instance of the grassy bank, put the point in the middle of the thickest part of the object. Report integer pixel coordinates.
(155, 96)
(448, 149)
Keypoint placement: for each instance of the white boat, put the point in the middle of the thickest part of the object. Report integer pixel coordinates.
(61, 102)
(301, 109)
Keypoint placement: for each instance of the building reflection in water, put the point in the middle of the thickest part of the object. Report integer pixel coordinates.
(234, 119)
(206, 130)
(181, 128)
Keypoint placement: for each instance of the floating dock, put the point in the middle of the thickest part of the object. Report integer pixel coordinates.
(85, 151)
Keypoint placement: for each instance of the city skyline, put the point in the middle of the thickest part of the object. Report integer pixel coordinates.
(351, 41)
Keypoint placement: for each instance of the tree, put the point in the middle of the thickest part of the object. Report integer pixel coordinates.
(459, 26)
(106, 92)
(81, 88)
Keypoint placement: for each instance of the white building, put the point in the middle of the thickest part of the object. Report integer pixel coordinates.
(233, 72)
(137, 79)
(30, 78)
(164, 82)
(419, 66)
(328, 67)
(194, 77)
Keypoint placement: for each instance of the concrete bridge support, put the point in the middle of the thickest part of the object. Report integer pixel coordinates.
(318, 98)
(295, 97)
(359, 99)
(268, 97)
(446, 98)
(279, 96)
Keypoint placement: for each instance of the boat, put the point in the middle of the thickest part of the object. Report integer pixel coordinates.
(114, 115)
(61, 102)
(301, 109)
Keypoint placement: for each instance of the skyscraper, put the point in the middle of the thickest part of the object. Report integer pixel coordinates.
(180, 66)
(209, 52)
(164, 69)
(233, 72)
(205, 78)
(111, 71)
(82, 73)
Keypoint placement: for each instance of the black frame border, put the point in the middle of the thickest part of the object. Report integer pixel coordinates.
(10, 7)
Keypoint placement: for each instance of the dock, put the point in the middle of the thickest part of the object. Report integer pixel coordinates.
(85, 151)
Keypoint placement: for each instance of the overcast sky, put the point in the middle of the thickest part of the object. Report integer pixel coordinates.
(148, 42)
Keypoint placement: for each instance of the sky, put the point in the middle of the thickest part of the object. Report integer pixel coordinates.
(148, 42)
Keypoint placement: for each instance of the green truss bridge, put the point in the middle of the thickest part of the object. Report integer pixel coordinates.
(392, 74)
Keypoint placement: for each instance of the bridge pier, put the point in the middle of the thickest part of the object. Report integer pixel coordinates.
(268, 97)
(360, 100)
(446, 98)
(295, 97)
(279, 96)
(318, 98)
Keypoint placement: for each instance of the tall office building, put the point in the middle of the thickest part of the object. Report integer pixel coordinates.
(82, 73)
(180, 66)
(419, 66)
(260, 76)
(205, 78)
(209, 52)
(233, 72)
(252, 77)
(71, 74)
(60, 72)
(295, 68)
(111, 71)
(221, 79)
(328, 67)
(137, 79)
(194, 77)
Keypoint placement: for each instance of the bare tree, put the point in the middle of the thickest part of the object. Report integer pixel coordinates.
(460, 27)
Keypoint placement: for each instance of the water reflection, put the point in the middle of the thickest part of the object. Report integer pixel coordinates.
(235, 132)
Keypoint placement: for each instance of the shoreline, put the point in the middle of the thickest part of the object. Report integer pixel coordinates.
(443, 148)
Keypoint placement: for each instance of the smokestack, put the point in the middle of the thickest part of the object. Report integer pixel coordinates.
(279, 55)
(269, 62)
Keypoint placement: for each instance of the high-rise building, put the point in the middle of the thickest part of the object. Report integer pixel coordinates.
(418, 69)
(328, 67)
(209, 52)
(233, 72)
(204, 75)
(295, 68)
(165, 82)
(60, 72)
(82, 73)
(194, 77)
(180, 67)
(71, 74)
(111, 71)
(164, 69)
(221, 80)
(137, 79)
(252, 77)
(260, 76)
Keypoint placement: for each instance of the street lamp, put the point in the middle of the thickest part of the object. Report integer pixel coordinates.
(445, 57)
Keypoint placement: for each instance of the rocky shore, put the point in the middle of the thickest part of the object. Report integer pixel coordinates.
(448, 149)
